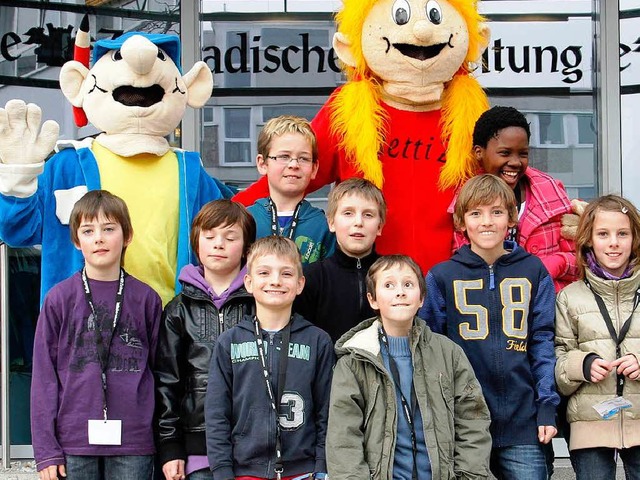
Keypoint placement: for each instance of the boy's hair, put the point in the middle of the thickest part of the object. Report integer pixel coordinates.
(281, 247)
(95, 202)
(388, 261)
(483, 190)
(495, 119)
(220, 213)
(278, 126)
(357, 186)
(606, 203)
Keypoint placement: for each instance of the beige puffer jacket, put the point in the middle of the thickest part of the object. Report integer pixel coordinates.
(581, 330)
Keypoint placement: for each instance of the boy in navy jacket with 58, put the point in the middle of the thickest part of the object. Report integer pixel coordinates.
(497, 302)
(268, 395)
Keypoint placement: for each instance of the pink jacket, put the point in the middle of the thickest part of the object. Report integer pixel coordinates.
(539, 227)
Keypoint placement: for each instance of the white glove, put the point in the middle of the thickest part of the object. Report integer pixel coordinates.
(23, 147)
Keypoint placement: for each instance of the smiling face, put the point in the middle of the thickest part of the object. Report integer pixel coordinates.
(486, 226)
(102, 243)
(417, 42)
(274, 282)
(612, 241)
(506, 155)
(288, 180)
(220, 250)
(397, 297)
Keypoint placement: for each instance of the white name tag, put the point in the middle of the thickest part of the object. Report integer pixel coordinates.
(105, 432)
(609, 408)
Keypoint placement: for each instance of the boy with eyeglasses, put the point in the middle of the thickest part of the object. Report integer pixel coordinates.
(287, 155)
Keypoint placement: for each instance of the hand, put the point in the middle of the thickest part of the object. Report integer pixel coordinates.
(627, 366)
(546, 433)
(52, 472)
(600, 369)
(21, 140)
(174, 470)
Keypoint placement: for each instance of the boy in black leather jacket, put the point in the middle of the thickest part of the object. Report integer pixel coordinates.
(213, 299)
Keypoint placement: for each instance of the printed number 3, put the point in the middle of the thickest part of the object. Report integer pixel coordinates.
(515, 296)
(292, 406)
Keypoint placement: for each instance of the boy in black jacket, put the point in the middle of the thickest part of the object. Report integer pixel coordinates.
(335, 294)
(268, 395)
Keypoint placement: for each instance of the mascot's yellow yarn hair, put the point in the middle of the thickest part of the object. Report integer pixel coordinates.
(359, 120)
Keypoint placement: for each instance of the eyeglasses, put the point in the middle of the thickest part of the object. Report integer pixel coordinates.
(286, 159)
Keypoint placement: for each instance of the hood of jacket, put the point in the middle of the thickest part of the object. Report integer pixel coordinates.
(306, 210)
(465, 256)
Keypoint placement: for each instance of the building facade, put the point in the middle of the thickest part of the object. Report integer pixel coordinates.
(573, 67)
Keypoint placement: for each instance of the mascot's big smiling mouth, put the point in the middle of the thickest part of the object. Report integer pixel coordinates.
(416, 51)
(138, 97)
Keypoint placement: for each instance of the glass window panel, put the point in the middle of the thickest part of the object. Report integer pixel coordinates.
(304, 111)
(237, 122)
(586, 130)
(237, 152)
(551, 129)
(294, 36)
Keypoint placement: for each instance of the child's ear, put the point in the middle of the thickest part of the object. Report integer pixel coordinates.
(301, 282)
(478, 153)
(314, 169)
(372, 301)
(261, 164)
(247, 283)
(331, 224)
(127, 241)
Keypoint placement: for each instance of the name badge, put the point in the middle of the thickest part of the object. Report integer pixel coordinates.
(609, 408)
(105, 432)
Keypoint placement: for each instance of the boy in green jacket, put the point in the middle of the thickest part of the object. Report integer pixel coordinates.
(405, 403)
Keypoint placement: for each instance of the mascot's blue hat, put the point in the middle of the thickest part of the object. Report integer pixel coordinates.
(168, 43)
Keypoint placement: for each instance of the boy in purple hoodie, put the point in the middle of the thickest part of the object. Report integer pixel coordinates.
(92, 390)
(213, 299)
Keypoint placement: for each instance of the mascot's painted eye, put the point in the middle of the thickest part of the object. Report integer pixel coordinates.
(434, 12)
(162, 56)
(116, 55)
(401, 12)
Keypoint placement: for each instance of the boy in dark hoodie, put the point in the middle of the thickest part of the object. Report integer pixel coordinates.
(335, 293)
(213, 299)
(269, 381)
(498, 303)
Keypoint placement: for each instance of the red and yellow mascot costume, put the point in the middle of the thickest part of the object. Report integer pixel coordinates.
(405, 117)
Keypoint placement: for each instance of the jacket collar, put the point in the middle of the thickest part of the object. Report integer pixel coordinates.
(625, 287)
(346, 261)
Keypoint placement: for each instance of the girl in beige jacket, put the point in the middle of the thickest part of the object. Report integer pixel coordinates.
(598, 342)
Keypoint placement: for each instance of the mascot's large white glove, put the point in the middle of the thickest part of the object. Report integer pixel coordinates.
(23, 147)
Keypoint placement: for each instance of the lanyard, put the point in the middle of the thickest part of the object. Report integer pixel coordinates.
(103, 353)
(282, 373)
(612, 331)
(275, 227)
(407, 409)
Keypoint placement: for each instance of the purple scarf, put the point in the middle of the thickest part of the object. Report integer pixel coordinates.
(598, 271)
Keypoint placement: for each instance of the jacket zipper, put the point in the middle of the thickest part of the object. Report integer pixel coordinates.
(492, 278)
(359, 268)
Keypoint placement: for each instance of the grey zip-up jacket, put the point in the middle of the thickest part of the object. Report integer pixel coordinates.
(361, 436)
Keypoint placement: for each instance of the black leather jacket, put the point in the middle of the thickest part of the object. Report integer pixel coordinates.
(189, 330)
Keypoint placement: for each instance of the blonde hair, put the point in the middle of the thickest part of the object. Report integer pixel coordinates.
(281, 247)
(278, 126)
(484, 190)
(359, 187)
(359, 120)
(606, 203)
